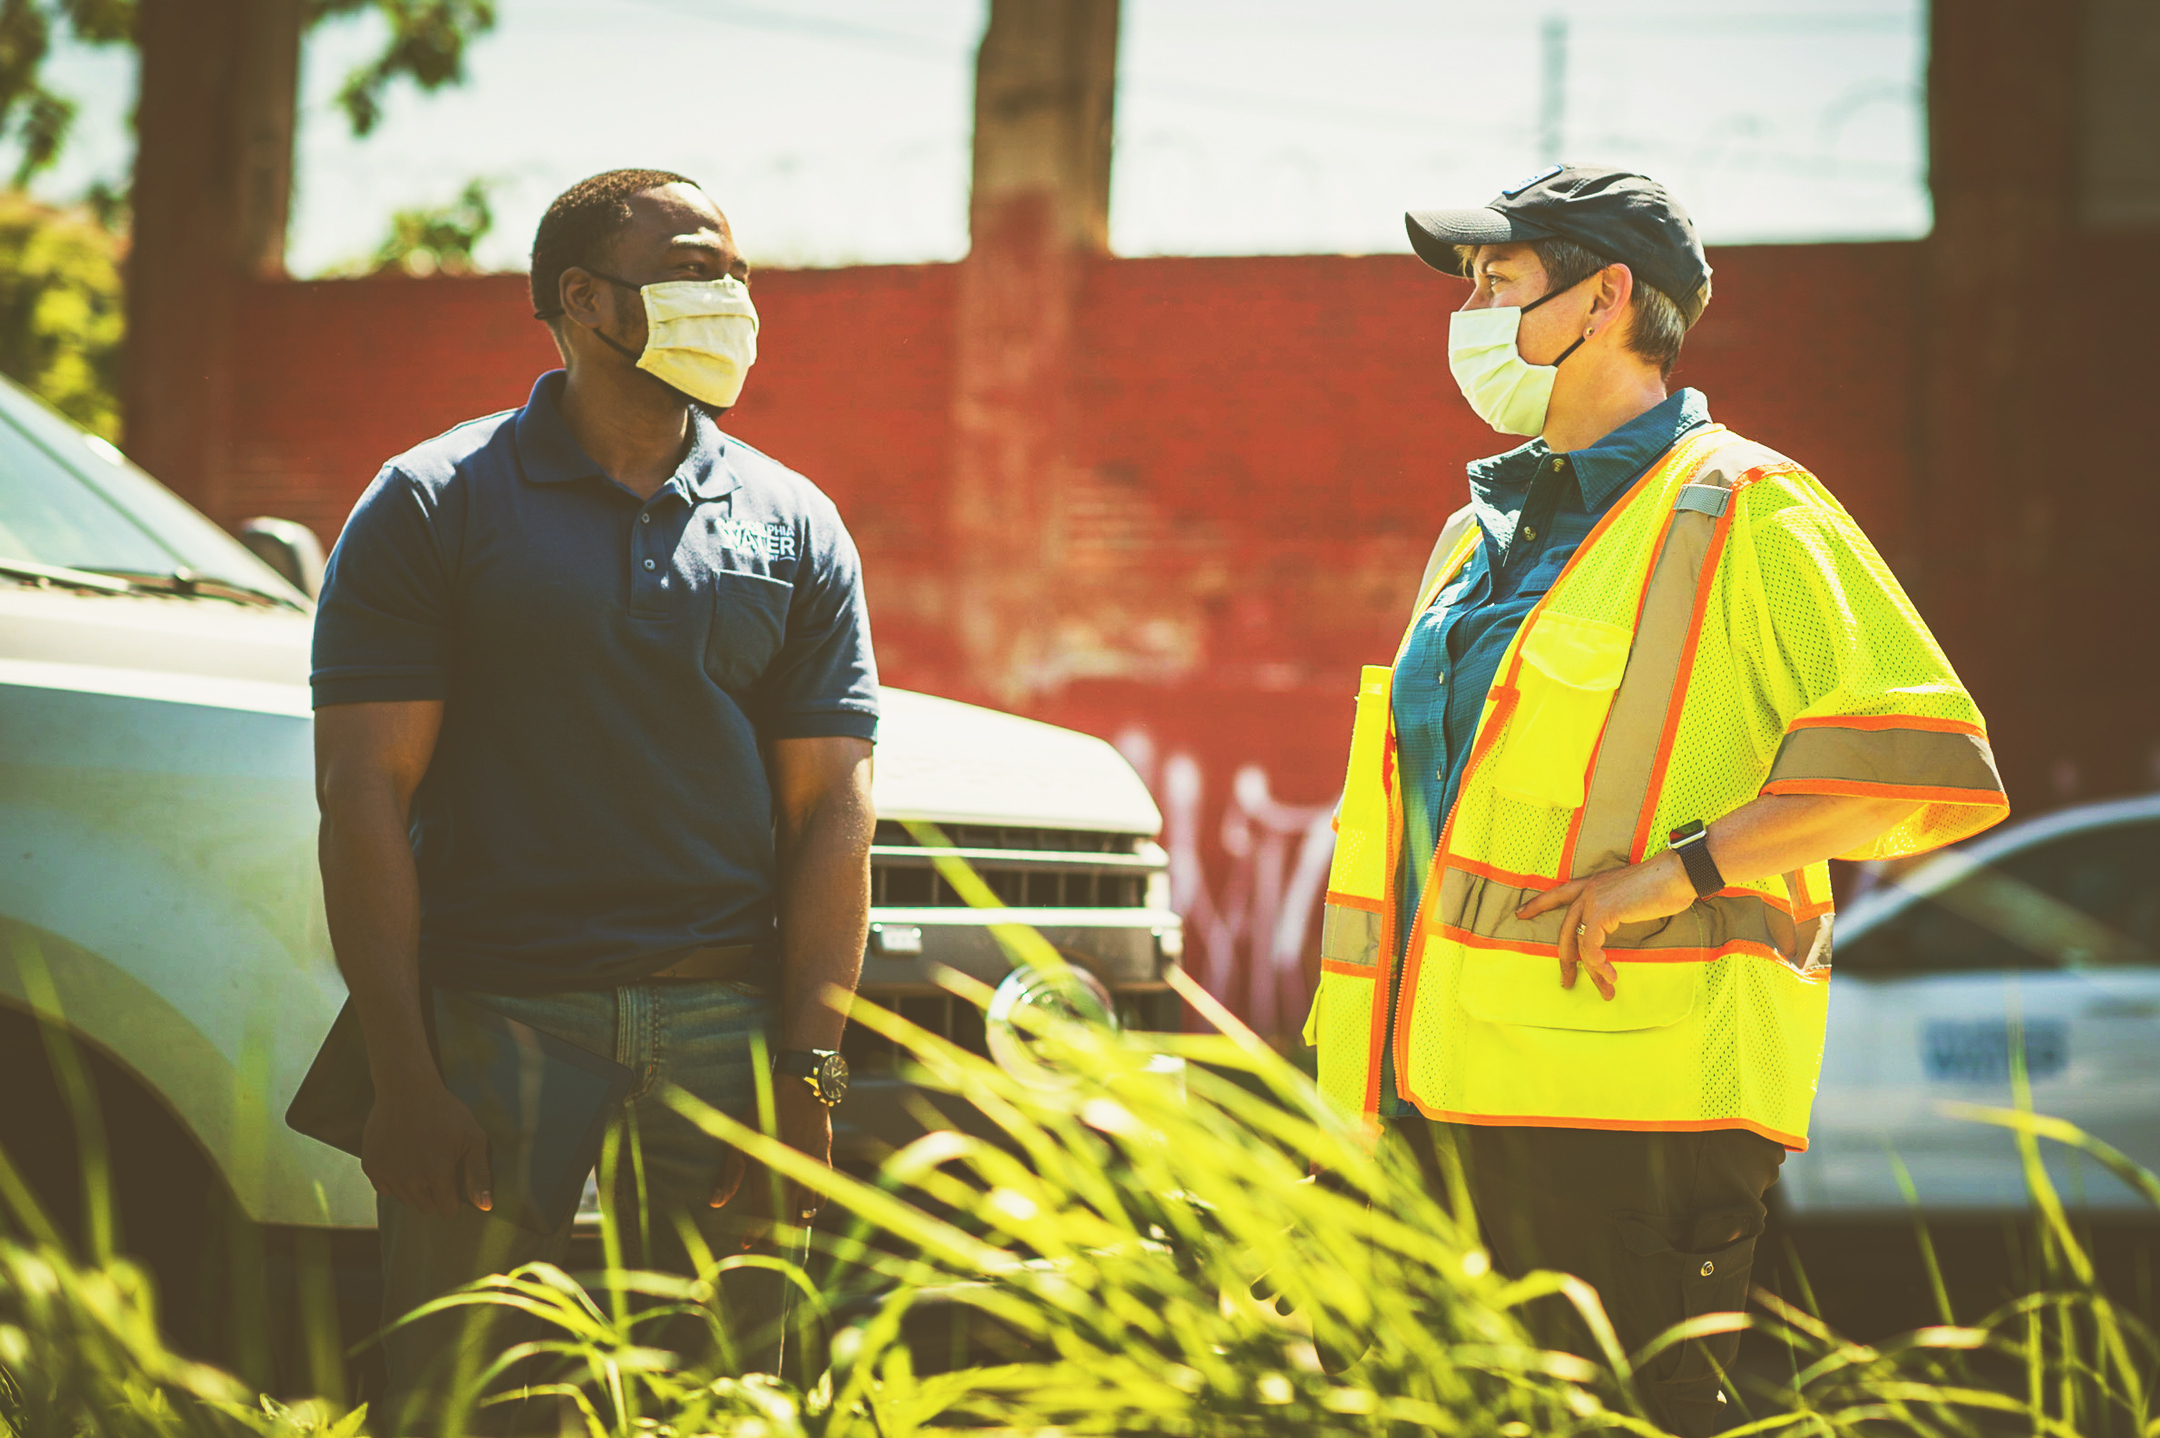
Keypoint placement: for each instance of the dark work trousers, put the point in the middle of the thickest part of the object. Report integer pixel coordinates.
(1662, 1225)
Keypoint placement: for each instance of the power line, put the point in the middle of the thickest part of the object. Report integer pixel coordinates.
(1795, 22)
(725, 13)
(754, 17)
(1253, 102)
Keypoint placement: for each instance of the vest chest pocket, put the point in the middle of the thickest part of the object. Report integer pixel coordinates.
(749, 621)
(1504, 988)
(1570, 668)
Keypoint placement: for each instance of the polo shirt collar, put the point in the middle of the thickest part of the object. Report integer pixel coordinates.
(1603, 469)
(550, 454)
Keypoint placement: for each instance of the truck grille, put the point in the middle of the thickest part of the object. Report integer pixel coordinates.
(1026, 868)
(925, 888)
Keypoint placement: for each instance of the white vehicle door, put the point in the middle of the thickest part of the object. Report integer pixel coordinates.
(2053, 943)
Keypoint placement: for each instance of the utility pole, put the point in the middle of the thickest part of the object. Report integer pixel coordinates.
(1552, 94)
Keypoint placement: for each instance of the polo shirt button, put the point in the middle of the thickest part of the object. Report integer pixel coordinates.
(648, 564)
(645, 518)
(1559, 464)
(1529, 532)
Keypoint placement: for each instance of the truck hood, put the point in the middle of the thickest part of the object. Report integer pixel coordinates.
(937, 760)
(955, 763)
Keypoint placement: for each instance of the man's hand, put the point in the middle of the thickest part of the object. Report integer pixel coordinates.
(1596, 906)
(746, 1188)
(424, 1148)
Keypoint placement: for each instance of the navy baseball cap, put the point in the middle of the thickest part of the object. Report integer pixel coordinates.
(1626, 218)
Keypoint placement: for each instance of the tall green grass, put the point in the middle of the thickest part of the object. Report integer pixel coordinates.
(1092, 1270)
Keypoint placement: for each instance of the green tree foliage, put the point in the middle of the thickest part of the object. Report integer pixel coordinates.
(34, 118)
(61, 309)
(437, 240)
(426, 45)
(62, 312)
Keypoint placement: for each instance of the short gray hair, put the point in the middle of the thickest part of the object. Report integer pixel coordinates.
(1655, 325)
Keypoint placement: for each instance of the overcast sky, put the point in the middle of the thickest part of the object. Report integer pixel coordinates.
(836, 131)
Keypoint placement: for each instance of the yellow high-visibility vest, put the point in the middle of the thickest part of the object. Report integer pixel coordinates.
(1725, 631)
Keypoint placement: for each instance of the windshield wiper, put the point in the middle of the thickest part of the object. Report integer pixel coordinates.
(190, 585)
(60, 574)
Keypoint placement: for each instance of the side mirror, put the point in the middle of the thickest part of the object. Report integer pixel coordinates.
(288, 547)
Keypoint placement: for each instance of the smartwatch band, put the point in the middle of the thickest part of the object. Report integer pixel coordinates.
(1691, 841)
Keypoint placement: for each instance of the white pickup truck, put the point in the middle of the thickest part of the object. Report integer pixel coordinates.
(159, 895)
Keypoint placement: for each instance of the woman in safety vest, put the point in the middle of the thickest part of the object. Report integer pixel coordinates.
(1654, 679)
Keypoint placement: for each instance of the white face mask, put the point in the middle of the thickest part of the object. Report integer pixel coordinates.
(700, 336)
(1507, 391)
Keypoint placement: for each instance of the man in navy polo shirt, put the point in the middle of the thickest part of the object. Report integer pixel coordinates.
(595, 705)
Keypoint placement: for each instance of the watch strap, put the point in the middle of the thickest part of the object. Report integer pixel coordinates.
(1691, 841)
(799, 1063)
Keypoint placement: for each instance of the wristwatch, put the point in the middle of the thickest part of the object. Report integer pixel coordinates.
(1691, 841)
(823, 1069)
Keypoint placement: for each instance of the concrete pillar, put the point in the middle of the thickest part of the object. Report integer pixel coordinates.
(213, 181)
(1046, 77)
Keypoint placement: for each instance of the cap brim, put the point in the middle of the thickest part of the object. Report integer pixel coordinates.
(1434, 234)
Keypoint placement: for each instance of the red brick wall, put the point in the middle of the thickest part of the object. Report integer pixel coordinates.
(1266, 447)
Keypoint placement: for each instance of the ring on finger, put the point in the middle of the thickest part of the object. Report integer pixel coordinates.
(1582, 930)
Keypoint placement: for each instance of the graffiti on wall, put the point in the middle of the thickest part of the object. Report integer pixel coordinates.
(1249, 886)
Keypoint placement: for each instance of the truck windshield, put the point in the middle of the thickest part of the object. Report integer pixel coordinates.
(71, 500)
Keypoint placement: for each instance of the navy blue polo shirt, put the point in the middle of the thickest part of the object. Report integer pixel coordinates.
(612, 670)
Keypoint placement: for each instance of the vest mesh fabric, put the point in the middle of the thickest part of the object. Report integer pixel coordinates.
(1342, 1028)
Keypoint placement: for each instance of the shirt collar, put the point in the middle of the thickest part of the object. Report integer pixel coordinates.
(1603, 469)
(550, 454)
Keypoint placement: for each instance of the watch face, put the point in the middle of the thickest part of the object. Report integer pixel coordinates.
(831, 1078)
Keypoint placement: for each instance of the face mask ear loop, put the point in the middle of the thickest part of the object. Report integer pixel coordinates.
(623, 348)
(1541, 299)
(635, 355)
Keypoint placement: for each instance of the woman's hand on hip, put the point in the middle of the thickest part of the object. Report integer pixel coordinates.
(1596, 906)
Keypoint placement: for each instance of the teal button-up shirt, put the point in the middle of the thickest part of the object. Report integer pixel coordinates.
(1534, 508)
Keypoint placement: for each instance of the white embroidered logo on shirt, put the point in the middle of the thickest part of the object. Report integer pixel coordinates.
(774, 540)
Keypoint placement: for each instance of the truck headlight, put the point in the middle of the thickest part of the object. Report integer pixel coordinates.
(1071, 994)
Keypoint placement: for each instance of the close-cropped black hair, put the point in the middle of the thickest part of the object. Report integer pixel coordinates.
(580, 226)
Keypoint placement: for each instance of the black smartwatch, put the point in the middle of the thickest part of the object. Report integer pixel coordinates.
(1691, 841)
(823, 1069)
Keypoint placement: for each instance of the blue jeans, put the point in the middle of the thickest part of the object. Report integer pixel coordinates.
(694, 1035)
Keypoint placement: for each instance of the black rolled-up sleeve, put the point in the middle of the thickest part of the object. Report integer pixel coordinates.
(383, 623)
